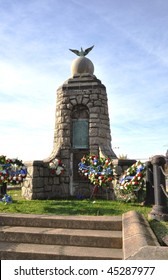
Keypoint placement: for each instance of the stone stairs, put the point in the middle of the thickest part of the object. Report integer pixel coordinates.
(40, 237)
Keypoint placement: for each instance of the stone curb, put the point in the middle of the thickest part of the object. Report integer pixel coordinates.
(139, 241)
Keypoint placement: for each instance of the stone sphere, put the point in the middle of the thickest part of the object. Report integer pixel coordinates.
(82, 65)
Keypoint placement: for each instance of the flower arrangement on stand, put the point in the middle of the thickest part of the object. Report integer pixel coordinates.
(100, 171)
(12, 172)
(56, 167)
(131, 183)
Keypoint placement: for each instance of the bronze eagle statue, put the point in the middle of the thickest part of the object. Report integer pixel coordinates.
(82, 52)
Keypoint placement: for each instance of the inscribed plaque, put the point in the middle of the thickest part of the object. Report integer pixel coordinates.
(80, 139)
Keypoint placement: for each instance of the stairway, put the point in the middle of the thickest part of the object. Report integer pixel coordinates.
(43, 237)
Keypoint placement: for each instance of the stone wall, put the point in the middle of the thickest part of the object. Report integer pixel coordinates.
(40, 184)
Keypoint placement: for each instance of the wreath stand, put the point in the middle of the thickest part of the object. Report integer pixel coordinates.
(3, 189)
(96, 189)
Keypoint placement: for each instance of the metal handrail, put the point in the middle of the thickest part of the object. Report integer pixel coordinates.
(165, 174)
(164, 191)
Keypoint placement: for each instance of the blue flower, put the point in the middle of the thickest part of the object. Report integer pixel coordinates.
(7, 198)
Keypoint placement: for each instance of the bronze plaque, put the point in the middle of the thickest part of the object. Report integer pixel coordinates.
(80, 139)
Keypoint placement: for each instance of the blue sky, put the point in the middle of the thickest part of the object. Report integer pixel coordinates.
(130, 58)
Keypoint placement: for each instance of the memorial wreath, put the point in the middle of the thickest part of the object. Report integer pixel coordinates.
(12, 171)
(131, 182)
(56, 167)
(99, 170)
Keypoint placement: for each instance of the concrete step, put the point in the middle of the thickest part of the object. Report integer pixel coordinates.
(62, 236)
(26, 251)
(73, 222)
(39, 237)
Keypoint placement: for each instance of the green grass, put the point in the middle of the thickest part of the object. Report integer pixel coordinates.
(69, 207)
(80, 207)
(160, 229)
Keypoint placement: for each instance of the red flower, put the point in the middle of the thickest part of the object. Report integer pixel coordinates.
(109, 179)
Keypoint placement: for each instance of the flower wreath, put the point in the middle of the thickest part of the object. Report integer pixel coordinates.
(56, 166)
(100, 171)
(133, 178)
(12, 171)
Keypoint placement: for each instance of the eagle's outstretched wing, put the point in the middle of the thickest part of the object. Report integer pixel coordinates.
(88, 50)
(75, 51)
(82, 53)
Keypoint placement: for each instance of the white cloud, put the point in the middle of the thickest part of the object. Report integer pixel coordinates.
(130, 57)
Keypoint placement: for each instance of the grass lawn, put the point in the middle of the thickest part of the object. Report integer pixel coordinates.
(79, 207)
(69, 207)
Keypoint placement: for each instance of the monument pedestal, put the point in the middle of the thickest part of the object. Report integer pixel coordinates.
(81, 127)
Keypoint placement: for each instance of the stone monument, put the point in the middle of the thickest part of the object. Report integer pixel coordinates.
(81, 127)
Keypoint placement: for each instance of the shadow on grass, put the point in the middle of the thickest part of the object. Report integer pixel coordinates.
(88, 211)
(83, 207)
(88, 207)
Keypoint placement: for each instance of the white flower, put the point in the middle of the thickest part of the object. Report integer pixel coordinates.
(14, 167)
(139, 166)
(56, 162)
(52, 165)
(59, 170)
